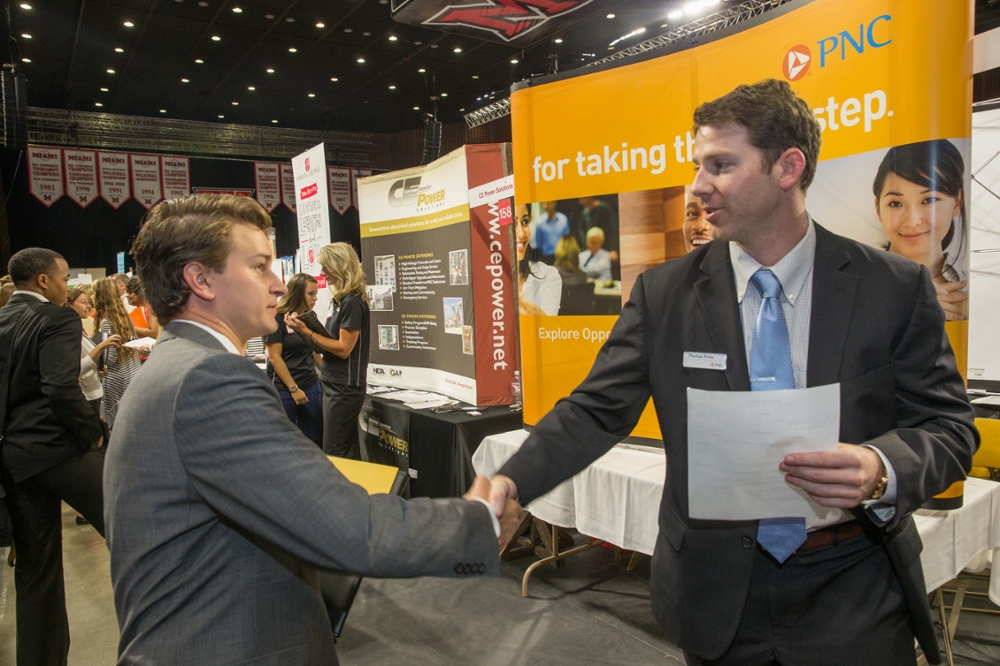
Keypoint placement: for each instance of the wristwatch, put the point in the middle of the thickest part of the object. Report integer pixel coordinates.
(293, 389)
(880, 487)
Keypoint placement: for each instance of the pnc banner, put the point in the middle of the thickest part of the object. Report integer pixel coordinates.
(603, 162)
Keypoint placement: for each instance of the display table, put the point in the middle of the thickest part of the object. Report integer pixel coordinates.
(617, 499)
(436, 449)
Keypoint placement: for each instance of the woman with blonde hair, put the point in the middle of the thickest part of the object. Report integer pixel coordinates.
(123, 362)
(345, 355)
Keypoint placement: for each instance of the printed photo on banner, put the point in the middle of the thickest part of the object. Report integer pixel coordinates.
(467, 340)
(458, 267)
(388, 337)
(454, 315)
(380, 297)
(385, 270)
(568, 256)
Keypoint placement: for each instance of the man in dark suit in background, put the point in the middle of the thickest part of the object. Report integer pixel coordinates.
(790, 305)
(48, 451)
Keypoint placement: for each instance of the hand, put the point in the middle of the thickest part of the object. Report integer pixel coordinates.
(480, 489)
(512, 514)
(102, 373)
(502, 488)
(300, 397)
(144, 350)
(100, 442)
(843, 478)
(528, 308)
(292, 322)
(953, 299)
(114, 340)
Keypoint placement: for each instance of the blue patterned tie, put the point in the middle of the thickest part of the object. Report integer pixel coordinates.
(771, 370)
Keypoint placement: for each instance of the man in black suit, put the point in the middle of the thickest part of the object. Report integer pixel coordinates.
(848, 589)
(48, 452)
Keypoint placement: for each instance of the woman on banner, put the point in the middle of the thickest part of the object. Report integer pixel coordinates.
(293, 363)
(920, 200)
(123, 362)
(539, 285)
(344, 370)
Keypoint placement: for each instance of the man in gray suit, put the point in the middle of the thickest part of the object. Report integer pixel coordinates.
(847, 589)
(219, 510)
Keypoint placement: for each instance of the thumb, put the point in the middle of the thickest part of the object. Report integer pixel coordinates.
(480, 489)
(501, 489)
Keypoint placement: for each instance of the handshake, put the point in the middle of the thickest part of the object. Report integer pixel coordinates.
(500, 493)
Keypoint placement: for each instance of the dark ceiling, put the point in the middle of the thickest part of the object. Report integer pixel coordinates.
(204, 60)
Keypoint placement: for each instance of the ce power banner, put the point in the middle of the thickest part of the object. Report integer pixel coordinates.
(606, 159)
(437, 253)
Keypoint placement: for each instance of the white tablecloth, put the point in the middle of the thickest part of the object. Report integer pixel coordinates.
(618, 499)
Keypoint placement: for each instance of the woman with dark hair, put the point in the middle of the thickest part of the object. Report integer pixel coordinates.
(123, 362)
(292, 361)
(145, 322)
(539, 285)
(920, 200)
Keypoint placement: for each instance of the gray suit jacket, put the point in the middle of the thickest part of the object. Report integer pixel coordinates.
(219, 510)
(876, 328)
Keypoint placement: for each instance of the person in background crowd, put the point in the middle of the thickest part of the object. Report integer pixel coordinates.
(6, 291)
(549, 230)
(123, 361)
(344, 371)
(597, 213)
(121, 282)
(143, 319)
(696, 229)
(293, 363)
(920, 200)
(567, 261)
(539, 285)
(47, 457)
(595, 261)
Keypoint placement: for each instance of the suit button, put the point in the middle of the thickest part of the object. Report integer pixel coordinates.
(458, 568)
(468, 568)
(480, 568)
(747, 542)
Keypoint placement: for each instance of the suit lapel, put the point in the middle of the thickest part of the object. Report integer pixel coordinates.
(716, 293)
(832, 307)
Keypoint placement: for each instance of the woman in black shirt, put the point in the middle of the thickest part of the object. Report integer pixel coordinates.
(344, 373)
(292, 361)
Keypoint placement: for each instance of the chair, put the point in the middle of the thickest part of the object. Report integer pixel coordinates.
(986, 461)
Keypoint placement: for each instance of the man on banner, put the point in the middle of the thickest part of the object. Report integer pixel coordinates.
(789, 305)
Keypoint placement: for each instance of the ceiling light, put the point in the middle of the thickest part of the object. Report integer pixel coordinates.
(163, 110)
(475, 76)
(216, 38)
(129, 24)
(29, 60)
(417, 43)
(709, 3)
(26, 36)
(119, 50)
(393, 38)
(348, 30)
(460, 110)
(312, 94)
(185, 81)
(274, 121)
(237, 10)
(434, 46)
(692, 7)
(199, 61)
(98, 104)
(110, 71)
(203, 4)
(611, 16)
(221, 116)
(269, 16)
(361, 59)
(321, 25)
(290, 20)
(104, 90)
(444, 94)
(366, 34)
(513, 61)
(25, 5)
(675, 14)
(334, 79)
(293, 50)
(392, 87)
(558, 40)
(236, 103)
(416, 108)
(270, 71)
(251, 88)
(421, 70)
(458, 49)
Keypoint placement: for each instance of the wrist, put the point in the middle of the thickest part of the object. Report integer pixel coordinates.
(882, 480)
(293, 388)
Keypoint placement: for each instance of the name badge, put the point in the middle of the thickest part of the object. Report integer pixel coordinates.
(704, 360)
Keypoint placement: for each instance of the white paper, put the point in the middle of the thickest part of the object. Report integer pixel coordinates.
(141, 342)
(736, 439)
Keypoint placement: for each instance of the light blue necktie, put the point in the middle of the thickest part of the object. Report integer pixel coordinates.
(771, 370)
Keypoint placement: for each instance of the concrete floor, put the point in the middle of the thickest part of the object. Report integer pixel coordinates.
(590, 611)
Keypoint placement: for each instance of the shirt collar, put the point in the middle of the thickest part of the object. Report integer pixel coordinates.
(791, 271)
(30, 293)
(226, 342)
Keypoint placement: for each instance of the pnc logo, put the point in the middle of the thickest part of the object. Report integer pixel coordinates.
(796, 63)
(307, 164)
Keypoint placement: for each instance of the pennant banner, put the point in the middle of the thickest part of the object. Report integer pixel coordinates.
(266, 180)
(288, 187)
(176, 176)
(112, 169)
(236, 192)
(340, 189)
(146, 184)
(355, 174)
(81, 176)
(45, 174)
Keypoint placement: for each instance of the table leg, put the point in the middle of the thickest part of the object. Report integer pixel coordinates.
(555, 557)
(944, 627)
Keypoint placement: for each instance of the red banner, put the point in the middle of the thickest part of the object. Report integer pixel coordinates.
(146, 183)
(112, 169)
(176, 176)
(266, 179)
(288, 187)
(340, 189)
(355, 174)
(45, 174)
(81, 176)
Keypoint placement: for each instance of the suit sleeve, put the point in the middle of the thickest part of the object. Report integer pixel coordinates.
(936, 436)
(59, 366)
(599, 413)
(247, 461)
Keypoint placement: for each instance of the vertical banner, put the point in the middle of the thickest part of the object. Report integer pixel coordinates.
(81, 176)
(112, 169)
(266, 178)
(340, 189)
(288, 187)
(355, 175)
(604, 158)
(176, 177)
(312, 205)
(147, 186)
(45, 174)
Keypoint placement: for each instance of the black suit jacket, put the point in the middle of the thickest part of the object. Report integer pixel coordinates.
(876, 327)
(48, 419)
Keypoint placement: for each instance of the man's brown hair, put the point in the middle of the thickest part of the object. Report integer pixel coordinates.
(180, 231)
(775, 118)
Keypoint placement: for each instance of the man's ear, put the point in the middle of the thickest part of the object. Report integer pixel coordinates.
(196, 276)
(790, 167)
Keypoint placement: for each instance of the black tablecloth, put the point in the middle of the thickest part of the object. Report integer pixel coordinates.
(436, 448)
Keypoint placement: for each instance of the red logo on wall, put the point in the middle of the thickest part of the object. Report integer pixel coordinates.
(796, 63)
(507, 19)
(307, 164)
(504, 212)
